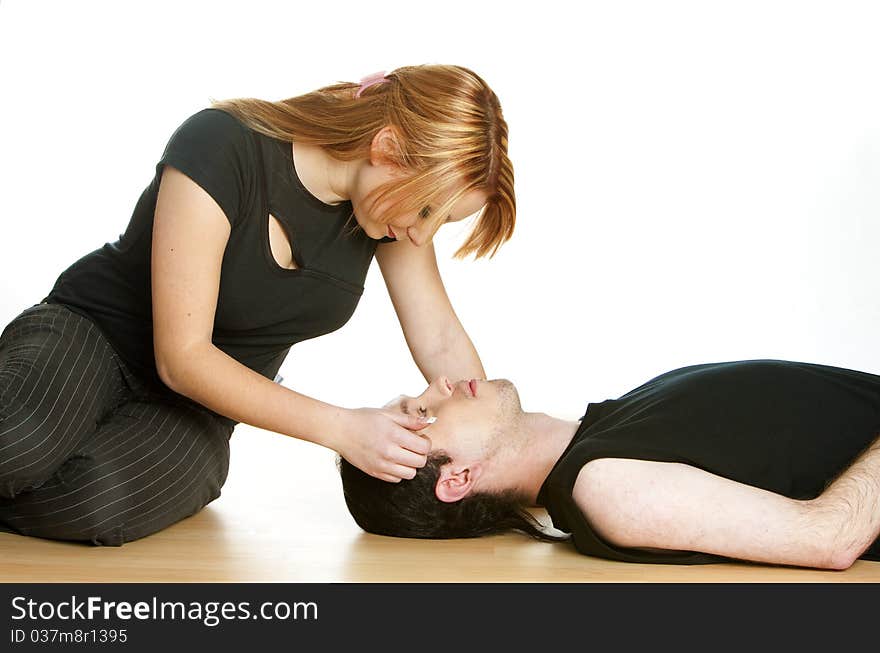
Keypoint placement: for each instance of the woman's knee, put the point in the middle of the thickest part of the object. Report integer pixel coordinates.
(137, 476)
(32, 447)
(35, 440)
(52, 356)
(58, 380)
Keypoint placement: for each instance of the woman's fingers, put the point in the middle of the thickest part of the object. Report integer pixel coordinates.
(411, 422)
(406, 458)
(387, 445)
(406, 437)
(399, 472)
(420, 444)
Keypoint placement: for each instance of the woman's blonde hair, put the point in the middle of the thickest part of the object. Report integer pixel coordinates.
(449, 131)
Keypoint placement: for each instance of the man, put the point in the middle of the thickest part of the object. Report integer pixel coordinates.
(767, 461)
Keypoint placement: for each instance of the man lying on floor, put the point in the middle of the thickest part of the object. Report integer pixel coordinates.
(767, 461)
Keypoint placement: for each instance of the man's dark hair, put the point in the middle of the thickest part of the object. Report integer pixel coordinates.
(411, 509)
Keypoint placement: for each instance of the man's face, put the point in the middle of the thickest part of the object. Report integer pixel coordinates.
(470, 414)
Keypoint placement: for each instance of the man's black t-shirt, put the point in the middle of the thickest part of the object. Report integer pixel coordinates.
(262, 308)
(785, 427)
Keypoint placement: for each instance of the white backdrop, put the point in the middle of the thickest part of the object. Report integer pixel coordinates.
(697, 181)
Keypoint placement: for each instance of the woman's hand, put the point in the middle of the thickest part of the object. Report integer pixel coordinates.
(382, 443)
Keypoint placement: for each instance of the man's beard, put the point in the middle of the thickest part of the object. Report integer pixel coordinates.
(508, 416)
(508, 399)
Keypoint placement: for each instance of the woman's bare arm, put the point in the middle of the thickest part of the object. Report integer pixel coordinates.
(190, 233)
(435, 336)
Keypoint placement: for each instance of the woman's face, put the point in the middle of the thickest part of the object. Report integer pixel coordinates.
(413, 226)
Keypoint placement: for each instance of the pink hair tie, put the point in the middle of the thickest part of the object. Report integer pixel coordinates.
(371, 80)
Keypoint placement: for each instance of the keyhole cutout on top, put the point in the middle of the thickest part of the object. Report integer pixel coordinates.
(279, 243)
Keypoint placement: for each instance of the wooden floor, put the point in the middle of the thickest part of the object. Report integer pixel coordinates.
(282, 518)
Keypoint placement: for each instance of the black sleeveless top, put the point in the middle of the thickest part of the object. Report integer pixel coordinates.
(262, 308)
(782, 426)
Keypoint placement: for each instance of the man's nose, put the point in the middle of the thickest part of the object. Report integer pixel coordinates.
(417, 237)
(440, 387)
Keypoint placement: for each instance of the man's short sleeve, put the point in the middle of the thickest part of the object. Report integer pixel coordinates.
(215, 150)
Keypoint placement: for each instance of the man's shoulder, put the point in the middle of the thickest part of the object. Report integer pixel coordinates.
(614, 495)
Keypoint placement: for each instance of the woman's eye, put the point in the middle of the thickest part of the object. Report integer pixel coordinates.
(423, 411)
(425, 212)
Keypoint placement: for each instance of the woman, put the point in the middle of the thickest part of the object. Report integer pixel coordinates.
(118, 392)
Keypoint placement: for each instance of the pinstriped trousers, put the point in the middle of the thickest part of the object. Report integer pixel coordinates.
(87, 451)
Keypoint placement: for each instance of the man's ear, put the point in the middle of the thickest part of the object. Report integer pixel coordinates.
(456, 482)
(384, 150)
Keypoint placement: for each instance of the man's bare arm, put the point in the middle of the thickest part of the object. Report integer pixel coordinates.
(851, 506)
(646, 504)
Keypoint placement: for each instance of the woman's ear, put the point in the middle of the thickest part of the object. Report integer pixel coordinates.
(385, 150)
(455, 483)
